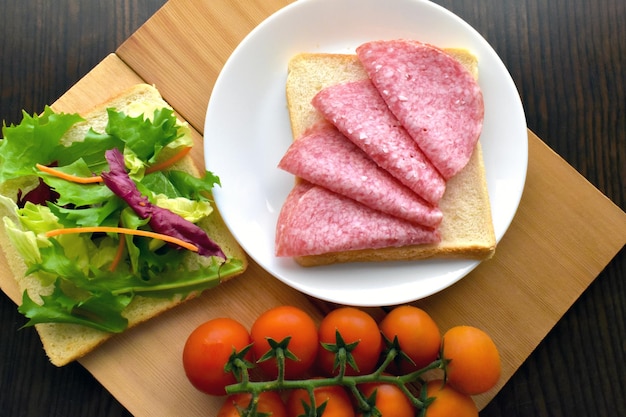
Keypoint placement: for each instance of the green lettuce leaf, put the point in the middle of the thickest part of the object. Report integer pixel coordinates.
(106, 214)
(102, 312)
(76, 194)
(37, 139)
(145, 137)
(192, 187)
(91, 150)
(97, 299)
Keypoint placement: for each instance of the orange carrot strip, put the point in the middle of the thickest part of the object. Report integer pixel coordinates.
(68, 177)
(105, 229)
(170, 161)
(90, 180)
(118, 254)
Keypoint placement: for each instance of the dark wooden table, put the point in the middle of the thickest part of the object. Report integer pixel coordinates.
(568, 60)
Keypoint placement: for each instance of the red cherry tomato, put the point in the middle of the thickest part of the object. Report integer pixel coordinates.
(474, 365)
(338, 401)
(279, 323)
(448, 401)
(418, 335)
(269, 402)
(390, 400)
(353, 325)
(207, 351)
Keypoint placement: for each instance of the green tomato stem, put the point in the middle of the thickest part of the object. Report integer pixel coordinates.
(280, 361)
(348, 381)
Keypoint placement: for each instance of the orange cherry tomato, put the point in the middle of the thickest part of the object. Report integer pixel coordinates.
(278, 323)
(418, 335)
(448, 401)
(207, 351)
(474, 365)
(390, 400)
(338, 402)
(269, 402)
(353, 325)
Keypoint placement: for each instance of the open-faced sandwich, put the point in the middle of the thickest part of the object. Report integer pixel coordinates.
(386, 155)
(106, 222)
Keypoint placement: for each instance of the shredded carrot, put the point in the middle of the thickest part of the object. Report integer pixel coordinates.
(105, 229)
(69, 177)
(170, 161)
(118, 254)
(97, 178)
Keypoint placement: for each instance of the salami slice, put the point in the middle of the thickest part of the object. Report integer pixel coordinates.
(314, 221)
(359, 112)
(436, 99)
(325, 157)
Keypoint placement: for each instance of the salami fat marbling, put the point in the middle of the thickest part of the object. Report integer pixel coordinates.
(436, 99)
(325, 157)
(360, 113)
(314, 221)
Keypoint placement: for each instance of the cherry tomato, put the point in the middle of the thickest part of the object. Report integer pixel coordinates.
(353, 325)
(207, 351)
(338, 403)
(279, 323)
(269, 402)
(448, 401)
(390, 400)
(418, 335)
(474, 365)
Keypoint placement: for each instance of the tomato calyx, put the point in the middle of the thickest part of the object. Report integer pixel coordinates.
(394, 345)
(238, 365)
(343, 354)
(280, 352)
(370, 410)
(312, 409)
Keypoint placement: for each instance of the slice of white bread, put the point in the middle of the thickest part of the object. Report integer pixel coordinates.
(64, 343)
(467, 227)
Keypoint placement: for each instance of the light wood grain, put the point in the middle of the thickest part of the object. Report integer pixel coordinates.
(184, 46)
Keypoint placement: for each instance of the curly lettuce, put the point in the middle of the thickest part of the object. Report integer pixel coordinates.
(86, 285)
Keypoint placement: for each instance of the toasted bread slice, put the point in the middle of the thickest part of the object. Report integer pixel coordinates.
(467, 227)
(64, 343)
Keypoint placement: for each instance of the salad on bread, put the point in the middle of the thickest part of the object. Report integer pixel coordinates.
(101, 217)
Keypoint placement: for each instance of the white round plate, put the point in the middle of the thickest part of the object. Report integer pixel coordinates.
(247, 131)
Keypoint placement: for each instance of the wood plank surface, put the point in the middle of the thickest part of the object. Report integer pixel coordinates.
(185, 45)
(507, 284)
(564, 234)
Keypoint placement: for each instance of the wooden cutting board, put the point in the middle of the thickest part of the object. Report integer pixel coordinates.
(564, 233)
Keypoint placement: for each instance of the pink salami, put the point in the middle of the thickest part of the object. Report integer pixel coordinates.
(314, 221)
(360, 113)
(436, 99)
(325, 157)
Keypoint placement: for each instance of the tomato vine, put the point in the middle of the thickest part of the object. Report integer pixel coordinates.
(406, 362)
(279, 351)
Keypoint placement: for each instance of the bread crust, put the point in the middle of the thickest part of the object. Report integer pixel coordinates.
(467, 226)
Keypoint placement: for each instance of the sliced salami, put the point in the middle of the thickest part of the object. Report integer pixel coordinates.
(436, 99)
(314, 221)
(325, 157)
(360, 113)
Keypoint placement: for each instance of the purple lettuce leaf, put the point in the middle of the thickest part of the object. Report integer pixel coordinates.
(160, 220)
